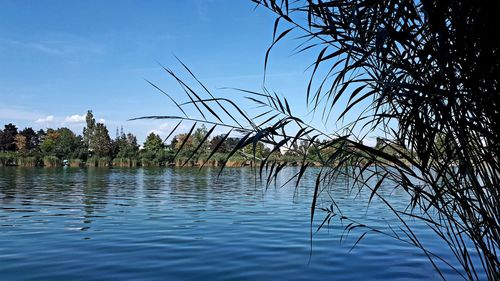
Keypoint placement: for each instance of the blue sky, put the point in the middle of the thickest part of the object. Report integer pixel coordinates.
(60, 58)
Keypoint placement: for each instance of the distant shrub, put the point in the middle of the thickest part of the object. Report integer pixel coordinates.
(145, 162)
(51, 161)
(104, 162)
(7, 158)
(75, 163)
(125, 162)
(29, 161)
(92, 161)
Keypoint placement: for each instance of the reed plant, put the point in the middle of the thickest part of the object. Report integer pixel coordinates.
(27, 161)
(103, 162)
(75, 163)
(146, 162)
(7, 158)
(425, 76)
(92, 161)
(51, 161)
(122, 162)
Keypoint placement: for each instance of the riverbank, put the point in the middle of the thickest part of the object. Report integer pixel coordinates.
(133, 163)
(216, 160)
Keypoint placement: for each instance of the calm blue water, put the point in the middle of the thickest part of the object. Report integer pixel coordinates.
(181, 224)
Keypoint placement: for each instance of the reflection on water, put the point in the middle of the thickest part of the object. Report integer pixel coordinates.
(185, 224)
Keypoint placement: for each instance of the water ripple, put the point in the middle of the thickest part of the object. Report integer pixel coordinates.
(181, 224)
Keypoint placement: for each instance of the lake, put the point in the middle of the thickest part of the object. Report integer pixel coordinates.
(185, 224)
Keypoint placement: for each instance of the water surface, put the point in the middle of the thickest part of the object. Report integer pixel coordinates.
(181, 224)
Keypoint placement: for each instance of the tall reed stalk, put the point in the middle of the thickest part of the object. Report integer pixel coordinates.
(51, 161)
(425, 74)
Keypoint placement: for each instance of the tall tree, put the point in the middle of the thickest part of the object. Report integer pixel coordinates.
(125, 145)
(89, 130)
(153, 143)
(62, 143)
(100, 143)
(7, 138)
(32, 138)
(21, 144)
(40, 135)
(132, 141)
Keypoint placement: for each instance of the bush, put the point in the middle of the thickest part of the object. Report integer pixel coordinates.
(125, 162)
(29, 161)
(104, 162)
(51, 161)
(7, 159)
(92, 161)
(75, 163)
(145, 162)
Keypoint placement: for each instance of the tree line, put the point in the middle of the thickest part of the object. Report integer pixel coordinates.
(95, 147)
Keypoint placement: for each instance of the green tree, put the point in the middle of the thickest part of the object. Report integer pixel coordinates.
(199, 135)
(125, 145)
(260, 150)
(153, 152)
(7, 138)
(21, 144)
(89, 130)
(40, 135)
(226, 146)
(100, 142)
(61, 143)
(132, 141)
(153, 143)
(32, 138)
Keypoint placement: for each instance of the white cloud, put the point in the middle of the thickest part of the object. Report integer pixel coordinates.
(101, 120)
(45, 120)
(75, 118)
(370, 141)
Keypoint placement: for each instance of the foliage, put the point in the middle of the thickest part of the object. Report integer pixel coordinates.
(76, 162)
(183, 145)
(124, 146)
(32, 138)
(165, 157)
(96, 161)
(161, 157)
(100, 142)
(125, 162)
(411, 70)
(30, 148)
(259, 151)
(7, 158)
(88, 131)
(154, 152)
(21, 143)
(51, 161)
(7, 135)
(153, 143)
(149, 162)
(96, 137)
(224, 146)
(62, 143)
(103, 162)
(28, 161)
(93, 161)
